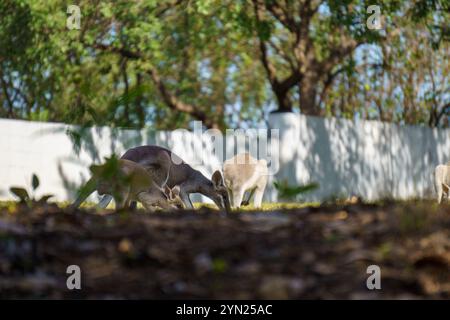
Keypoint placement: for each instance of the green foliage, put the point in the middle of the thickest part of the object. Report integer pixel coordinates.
(21, 193)
(107, 178)
(207, 55)
(30, 198)
(219, 265)
(34, 182)
(108, 170)
(289, 192)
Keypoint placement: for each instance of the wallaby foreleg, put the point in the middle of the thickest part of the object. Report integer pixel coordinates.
(186, 200)
(439, 192)
(258, 197)
(237, 197)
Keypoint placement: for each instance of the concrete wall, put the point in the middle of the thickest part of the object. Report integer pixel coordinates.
(368, 158)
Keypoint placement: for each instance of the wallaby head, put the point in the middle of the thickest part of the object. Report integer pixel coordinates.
(220, 195)
(173, 197)
(165, 198)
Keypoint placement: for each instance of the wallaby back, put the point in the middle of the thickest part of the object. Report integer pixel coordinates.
(244, 173)
(243, 170)
(163, 165)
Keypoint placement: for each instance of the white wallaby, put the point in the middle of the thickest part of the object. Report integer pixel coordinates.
(168, 169)
(244, 173)
(128, 181)
(442, 181)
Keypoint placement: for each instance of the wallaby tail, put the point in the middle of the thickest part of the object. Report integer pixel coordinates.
(84, 192)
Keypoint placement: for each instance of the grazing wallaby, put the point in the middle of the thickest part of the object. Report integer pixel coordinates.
(128, 181)
(442, 180)
(169, 169)
(244, 173)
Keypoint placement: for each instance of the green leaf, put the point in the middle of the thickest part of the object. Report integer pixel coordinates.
(290, 192)
(45, 198)
(21, 193)
(35, 182)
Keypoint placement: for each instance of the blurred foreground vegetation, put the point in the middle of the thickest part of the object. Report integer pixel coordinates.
(310, 252)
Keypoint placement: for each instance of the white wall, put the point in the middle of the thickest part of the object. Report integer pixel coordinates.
(368, 158)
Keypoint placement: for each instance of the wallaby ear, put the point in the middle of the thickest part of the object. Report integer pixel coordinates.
(168, 192)
(217, 179)
(176, 191)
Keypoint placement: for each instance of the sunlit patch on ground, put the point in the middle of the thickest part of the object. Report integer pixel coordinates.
(266, 206)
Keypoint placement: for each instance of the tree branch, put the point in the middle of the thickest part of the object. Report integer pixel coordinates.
(270, 69)
(169, 99)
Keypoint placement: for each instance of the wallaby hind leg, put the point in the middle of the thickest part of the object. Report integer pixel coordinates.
(123, 201)
(121, 204)
(259, 193)
(146, 200)
(439, 193)
(133, 205)
(445, 191)
(246, 202)
(258, 197)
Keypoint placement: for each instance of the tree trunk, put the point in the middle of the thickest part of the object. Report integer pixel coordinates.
(139, 108)
(283, 101)
(308, 92)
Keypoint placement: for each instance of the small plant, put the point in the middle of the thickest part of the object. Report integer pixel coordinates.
(30, 198)
(289, 192)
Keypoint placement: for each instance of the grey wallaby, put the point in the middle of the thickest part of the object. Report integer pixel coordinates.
(169, 169)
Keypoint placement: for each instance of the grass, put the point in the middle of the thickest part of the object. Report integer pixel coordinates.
(266, 206)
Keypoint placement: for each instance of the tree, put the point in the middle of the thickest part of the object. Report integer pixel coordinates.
(163, 64)
(402, 79)
(130, 64)
(181, 49)
(303, 43)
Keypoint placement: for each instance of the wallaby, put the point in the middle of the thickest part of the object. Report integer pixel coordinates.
(128, 181)
(244, 173)
(442, 180)
(168, 168)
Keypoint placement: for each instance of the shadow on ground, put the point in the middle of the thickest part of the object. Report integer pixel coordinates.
(308, 253)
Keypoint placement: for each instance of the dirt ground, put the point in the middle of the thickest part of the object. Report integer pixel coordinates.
(309, 253)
